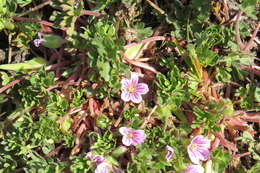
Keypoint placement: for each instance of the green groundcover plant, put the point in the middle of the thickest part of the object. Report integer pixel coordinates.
(134, 86)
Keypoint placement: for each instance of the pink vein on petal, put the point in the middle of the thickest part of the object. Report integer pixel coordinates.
(125, 96)
(134, 78)
(125, 83)
(136, 97)
(142, 88)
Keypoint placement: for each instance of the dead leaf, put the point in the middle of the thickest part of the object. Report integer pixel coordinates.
(226, 143)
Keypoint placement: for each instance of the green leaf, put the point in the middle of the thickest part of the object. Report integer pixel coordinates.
(221, 160)
(23, 2)
(249, 95)
(53, 41)
(132, 52)
(65, 125)
(35, 63)
(193, 62)
(164, 111)
(142, 32)
(5, 78)
(223, 74)
(257, 94)
(249, 7)
(255, 168)
(103, 121)
(104, 68)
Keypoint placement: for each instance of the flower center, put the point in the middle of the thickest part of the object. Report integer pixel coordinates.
(131, 89)
(194, 147)
(130, 135)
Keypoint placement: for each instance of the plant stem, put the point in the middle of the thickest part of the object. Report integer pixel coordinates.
(37, 21)
(36, 8)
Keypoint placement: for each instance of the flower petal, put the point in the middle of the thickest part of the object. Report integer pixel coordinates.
(169, 155)
(127, 141)
(203, 154)
(193, 156)
(201, 140)
(89, 155)
(37, 42)
(125, 83)
(135, 97)
(124, 130)
(134, 78)
(142, 88)
(97, 159)
(102, 168)
(194, 169)
(125, 96)
(139, 137)
(199, 149)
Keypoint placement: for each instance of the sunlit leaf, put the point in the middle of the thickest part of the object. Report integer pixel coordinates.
(35, 63)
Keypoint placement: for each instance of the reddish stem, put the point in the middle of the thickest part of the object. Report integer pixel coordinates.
(37, 21)
(16, 81)
(139, 64)
(238, 38)
(250, 42)
(250, 70)
(55, 66)
(91, 13)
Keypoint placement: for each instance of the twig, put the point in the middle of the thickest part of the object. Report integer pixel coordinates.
(237, 156)
(91, 13)
(55, 151)
(36, 8)
(230, 21)
(256, 40)
(37, 21)
(55, 66)
(16, 81)
(256, 67)
(9, 48)
(250, 70)
(250, 42)
(238, 39)
(139, 64)
(148, 117)
(120, 118)
(73, 77)
(48, 68)
(155, 6)
(251, 116)
(83, 22)
(226, 10)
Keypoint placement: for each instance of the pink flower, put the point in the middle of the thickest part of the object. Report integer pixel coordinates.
(103, 168)
(199, 149)
(132, 90)
(169, 155)
(97, 159)
(37, 42)
(194, 169)
(132, 137)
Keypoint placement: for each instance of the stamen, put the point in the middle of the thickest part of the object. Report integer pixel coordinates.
(130, 135)
(194, 146)
(131, 89)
